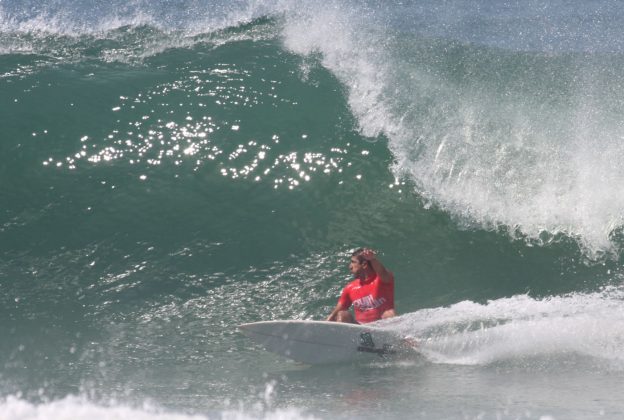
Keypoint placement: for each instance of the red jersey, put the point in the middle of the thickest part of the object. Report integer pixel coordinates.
(370, 298)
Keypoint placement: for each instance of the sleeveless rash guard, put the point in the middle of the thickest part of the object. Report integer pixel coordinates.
(369, 297)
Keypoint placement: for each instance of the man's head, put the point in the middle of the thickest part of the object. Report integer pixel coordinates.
(359, 265)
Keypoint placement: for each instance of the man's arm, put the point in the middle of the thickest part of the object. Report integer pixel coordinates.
(338, 308)
(370, 256)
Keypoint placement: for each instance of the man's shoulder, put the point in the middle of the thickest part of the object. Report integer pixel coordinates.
(390, 278)
(353, 284)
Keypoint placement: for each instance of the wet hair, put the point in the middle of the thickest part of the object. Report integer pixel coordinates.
(358, 254)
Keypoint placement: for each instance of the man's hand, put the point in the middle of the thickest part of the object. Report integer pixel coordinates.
(334, 313)
(368, 254)
(371, 257)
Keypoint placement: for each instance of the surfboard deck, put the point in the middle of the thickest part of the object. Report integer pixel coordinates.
(323, 342)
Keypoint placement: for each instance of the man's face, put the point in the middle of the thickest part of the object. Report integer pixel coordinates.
(356, 267)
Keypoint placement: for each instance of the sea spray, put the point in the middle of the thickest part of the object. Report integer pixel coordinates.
(521, 328)
(497, 137)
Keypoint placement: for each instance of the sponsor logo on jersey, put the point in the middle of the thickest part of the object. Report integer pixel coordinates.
(367, 303)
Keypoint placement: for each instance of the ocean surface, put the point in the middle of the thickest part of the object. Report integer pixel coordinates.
(170, 169)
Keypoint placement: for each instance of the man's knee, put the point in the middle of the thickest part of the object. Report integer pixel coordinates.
(388, 314)
(344, 316)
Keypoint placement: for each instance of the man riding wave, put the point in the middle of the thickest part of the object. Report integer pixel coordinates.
(371, 293)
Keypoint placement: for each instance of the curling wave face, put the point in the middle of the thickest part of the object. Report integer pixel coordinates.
(498, 130)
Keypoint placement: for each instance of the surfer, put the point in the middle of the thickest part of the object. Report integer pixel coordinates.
(371, 293)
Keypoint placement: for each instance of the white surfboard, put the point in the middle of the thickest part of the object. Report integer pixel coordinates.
(321, 342)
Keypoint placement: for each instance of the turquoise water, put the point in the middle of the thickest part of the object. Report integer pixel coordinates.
(170, 170)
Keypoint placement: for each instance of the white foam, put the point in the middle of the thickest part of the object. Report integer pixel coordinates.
(73, 18)
(486, 158)
(351, 49)
(588, 325)
(533, 176)
(79, 408)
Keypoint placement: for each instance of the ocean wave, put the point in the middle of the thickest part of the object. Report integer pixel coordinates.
(77, 18)
(493, 134)
(123, 43)
(505, 136)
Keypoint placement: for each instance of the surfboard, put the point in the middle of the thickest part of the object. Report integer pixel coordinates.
(323, 342)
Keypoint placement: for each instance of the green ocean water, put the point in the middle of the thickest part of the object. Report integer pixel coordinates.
(159, 187)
